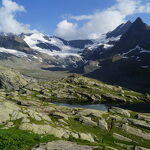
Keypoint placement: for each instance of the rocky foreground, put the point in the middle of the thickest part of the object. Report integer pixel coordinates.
(113, 129)
(77, 89)
(28, 119)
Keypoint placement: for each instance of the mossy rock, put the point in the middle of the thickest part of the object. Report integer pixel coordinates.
(10, 79)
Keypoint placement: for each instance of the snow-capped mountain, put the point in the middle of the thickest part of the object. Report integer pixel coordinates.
(52, 46)
(42, 48)
(125, 61)
(119, 57)
(38, 42)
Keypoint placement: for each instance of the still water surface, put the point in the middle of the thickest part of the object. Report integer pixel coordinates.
(144, 108)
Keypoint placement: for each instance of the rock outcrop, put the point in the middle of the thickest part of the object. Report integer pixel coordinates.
(11, 80)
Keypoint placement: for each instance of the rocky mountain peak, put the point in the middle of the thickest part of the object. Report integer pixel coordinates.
(139, 21)
(120, 30)
(138, 24)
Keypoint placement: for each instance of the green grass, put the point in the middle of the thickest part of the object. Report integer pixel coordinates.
(102, 138)
(12, 139)
(76, 126)
(136, 140)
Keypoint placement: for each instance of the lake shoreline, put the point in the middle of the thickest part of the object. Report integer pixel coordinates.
(141, 107)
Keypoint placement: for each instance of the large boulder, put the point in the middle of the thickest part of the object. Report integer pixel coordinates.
(121, 137)
(64, 145)
(103, 124)
(8, 111)
(139, 123)
(141, 148)
(145, 117)
(43, 129)
(87, 121)
(136, 132)
(10, 79)
(86, 136)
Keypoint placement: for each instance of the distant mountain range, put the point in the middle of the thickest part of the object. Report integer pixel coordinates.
(120, 57)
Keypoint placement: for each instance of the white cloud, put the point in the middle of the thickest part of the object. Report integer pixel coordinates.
(66, 29)
(8, 22)
(103, 21)
(82, 17)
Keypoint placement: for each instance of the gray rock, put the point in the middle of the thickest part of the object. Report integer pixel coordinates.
(122, 138)
(43, 129)
(11, 80)
(127, 147)
(110, 148)
(64, 145)
(111, 98)
(145, 117)
(87, 121)
(120, 111)
(140, 123)
(141, 148)
(103, 124)
(87, 137)
(96, 113)
(59, 115)
(136, 132)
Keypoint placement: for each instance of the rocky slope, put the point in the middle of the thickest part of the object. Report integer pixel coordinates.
(78, 89)
(73, 89)
(113, 129)
(29, 121)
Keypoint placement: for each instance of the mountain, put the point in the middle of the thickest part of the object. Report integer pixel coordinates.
(126, 62)
(39, 43)
(15, 42)
(120, 57)
(120, 30)
(41, 50)
(137, 34)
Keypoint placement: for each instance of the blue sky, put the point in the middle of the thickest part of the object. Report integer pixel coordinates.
(45, 15)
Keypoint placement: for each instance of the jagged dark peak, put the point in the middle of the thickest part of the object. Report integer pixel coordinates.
(120, 30)
(128, 23)
(138, 23)
(139, 20)
(137, 34)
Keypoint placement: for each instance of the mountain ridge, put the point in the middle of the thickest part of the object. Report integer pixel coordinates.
(127, 45)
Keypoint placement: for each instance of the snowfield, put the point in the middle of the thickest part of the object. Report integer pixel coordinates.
(13, 52)
(36, 38)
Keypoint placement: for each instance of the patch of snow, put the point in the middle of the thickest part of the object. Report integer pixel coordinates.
(38, 58)
(58, 53)
(103, 41)
(114, 38)
(145, 51)
(33, 39)
(107, 46)
(144, 67)
(36, 38)
(13, 52)
(125, 57)
(137, 47)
